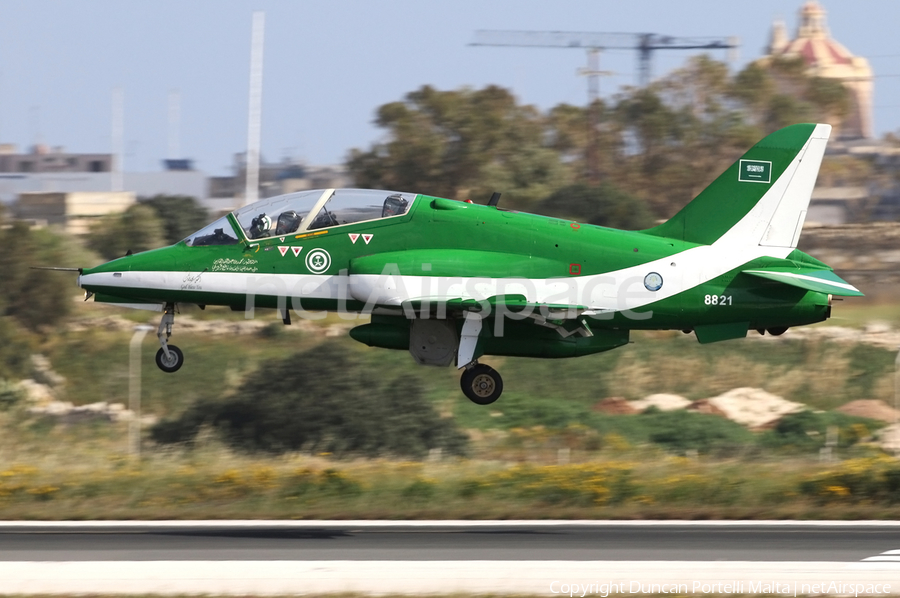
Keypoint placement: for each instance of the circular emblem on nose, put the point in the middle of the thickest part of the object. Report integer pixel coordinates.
(653, 282)
(318, 261)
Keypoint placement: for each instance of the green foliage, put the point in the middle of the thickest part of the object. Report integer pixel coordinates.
(866, 363)
(680, 431)
(322, 401)
(870, 480)
(10, 394)
(661, 144)
(181, 215)
(604, 205)
(15, 349)
(37, 299)
(523, 411)
(779, 92)
(461, 144)
(807, 431)
(137, 229)
(588, 484)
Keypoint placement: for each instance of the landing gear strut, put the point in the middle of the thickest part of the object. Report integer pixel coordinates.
(169, 358)
(481, 383)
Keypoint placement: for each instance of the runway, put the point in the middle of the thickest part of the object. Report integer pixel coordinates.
(269, 557)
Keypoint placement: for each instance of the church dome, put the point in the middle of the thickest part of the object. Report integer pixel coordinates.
(813, 43)
(825, 57)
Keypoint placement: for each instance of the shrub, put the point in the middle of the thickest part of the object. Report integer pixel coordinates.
(181, 215)
(680, 431)
(806, 431)
(872, 479)
(322, 400)
(10, 394)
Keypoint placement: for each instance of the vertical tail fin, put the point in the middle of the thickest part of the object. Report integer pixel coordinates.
(761, 199)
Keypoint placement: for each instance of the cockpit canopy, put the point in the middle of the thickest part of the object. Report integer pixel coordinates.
(304, 211)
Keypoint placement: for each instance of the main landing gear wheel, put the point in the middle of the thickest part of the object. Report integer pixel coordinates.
(482, 384)
(172, 363)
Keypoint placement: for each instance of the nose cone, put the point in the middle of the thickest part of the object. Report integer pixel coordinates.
(141, 270)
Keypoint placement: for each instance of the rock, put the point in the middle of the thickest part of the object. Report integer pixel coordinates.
(43, 372)
(871, 408)
(663, 402)
(753, 407)
(877, 327)
(704, 406)
(35, 392)
(52, 408)
(889, 438)
(615, 406)
(68, 413)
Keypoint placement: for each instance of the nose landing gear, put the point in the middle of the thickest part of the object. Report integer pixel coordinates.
(481, 384)
(169, 358)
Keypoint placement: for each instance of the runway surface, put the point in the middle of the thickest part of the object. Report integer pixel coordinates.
(503, 541)
(571, 558)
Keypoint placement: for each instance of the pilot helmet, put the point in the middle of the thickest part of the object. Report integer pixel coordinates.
(260, 225)
(288, 222)
(394, 205)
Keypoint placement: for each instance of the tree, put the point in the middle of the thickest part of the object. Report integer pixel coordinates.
(776, 92)
(136, 229)
(604, 205)
(461, 144)
(661, 144)
(181, 215)
(36, 299)
(569, 128)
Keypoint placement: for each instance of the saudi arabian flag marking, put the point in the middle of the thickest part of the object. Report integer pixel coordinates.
(755, 171)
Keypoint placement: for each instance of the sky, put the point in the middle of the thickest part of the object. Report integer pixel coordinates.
(329, 64)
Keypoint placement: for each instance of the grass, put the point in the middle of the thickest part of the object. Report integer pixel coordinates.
(94, 478)
(857, 313)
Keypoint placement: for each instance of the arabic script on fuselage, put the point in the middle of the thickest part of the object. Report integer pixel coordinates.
(232, 265)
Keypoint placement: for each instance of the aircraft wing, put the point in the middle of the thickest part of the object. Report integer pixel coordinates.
(811, 279)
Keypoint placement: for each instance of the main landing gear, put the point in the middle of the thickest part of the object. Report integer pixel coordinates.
(481, 383)
(169, 358)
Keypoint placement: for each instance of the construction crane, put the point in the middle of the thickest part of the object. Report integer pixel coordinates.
(594, 43)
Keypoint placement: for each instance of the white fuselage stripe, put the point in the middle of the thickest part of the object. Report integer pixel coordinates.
(612, 291)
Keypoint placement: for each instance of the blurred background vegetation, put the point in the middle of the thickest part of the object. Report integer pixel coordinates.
(656, 146)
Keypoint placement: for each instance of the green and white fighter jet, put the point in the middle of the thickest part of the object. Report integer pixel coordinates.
(453, 281)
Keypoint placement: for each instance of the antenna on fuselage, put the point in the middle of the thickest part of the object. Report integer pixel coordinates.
(495, 198)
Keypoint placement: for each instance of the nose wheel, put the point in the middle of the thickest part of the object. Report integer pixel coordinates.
(481, 384)
(169, 358)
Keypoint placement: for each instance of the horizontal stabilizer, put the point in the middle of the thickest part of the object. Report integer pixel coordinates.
(811, 279)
